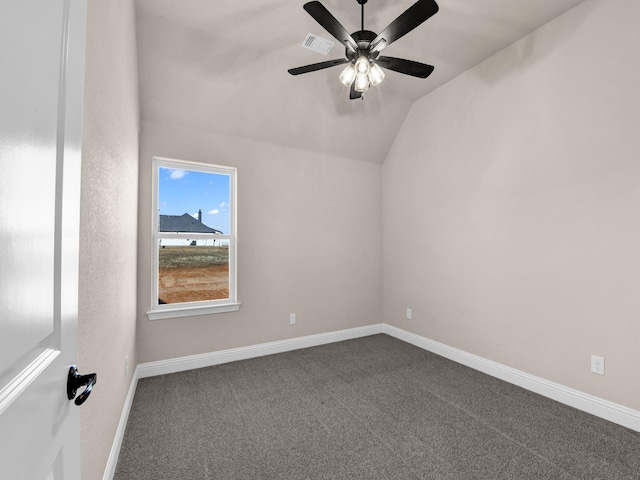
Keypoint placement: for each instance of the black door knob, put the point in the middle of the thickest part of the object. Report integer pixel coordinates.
(75, 381)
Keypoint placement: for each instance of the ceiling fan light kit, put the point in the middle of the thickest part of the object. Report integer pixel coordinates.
(364, 72)
(362, 48)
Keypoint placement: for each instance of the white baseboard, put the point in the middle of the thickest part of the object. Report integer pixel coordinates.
(112, 461)
(599, 407)
(182, 364)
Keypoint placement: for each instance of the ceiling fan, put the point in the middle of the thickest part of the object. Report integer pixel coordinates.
(362, 48)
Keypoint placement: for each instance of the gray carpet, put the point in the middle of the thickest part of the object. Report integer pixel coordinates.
(371, 408)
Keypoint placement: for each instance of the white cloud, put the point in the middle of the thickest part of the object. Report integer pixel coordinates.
(215, 211)
(177, 174)
(223, 204)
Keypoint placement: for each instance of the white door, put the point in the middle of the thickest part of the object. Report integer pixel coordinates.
(41, 88)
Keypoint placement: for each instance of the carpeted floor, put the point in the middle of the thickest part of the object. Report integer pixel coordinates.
(371, 408)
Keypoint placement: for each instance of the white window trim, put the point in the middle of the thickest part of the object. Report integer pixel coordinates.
(161, 314)
(187, 309)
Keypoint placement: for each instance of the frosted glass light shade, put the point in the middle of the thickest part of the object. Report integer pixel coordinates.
(348, 75)
(362, 65)
(376, 75)
(362, 82)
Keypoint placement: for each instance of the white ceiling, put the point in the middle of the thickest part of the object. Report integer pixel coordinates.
(221, 66)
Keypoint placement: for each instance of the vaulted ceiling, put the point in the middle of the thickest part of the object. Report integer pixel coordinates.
(221, 66)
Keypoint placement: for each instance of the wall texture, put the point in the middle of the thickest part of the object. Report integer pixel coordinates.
(108, 224)
(309, 242)
(511, 196)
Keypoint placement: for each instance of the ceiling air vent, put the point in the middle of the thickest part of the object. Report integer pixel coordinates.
(317, 44)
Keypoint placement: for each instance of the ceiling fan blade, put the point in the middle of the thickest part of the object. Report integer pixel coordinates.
(353, 95)
(330, 24)
(408, 67)
(317, 66)
(407, 21)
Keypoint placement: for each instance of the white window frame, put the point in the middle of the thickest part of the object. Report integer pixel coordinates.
(187, 309)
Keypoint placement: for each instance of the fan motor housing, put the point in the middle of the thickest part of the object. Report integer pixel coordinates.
(363, 38)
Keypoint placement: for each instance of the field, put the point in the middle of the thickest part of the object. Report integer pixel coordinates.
(192, 274)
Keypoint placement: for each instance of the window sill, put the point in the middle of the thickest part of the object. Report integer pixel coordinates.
(177, 312)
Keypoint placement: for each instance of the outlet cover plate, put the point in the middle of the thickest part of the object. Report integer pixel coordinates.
(597, 364)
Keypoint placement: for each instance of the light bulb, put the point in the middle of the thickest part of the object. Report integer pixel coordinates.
(348, 75)
(362, 65)
(376, 75)
(362, 82)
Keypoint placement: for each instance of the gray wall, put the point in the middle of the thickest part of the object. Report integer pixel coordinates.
(108, 224)
(309, 242)
(511, 198)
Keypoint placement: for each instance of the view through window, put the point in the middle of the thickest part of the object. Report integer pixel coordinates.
(194, 233)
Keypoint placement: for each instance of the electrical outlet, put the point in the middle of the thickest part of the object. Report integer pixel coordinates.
(597, 365)
(409, 313)
(126, 365)
(292, 319)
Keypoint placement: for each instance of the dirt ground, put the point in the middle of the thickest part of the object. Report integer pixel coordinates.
(193, 284)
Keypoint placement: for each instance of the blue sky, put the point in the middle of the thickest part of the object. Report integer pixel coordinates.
(186, 191)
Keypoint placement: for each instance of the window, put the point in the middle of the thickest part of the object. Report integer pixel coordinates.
(194, 239)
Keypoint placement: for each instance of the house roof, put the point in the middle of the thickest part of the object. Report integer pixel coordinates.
(184, 223)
